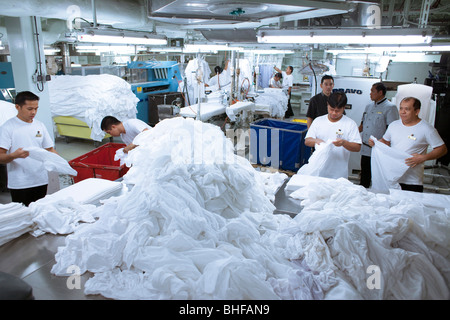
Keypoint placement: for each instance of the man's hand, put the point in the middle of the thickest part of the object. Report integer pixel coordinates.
(339, 142)
(319, 141)
(129, 147)
(415, 160)
(20, 153)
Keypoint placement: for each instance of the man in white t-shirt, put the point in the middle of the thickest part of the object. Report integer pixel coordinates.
(413, 136)
(288, 82)
(27, 178)
(127, 130)
(339, 128)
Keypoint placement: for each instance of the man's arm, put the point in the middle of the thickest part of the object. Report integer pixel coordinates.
(311, 142)
(129, 148)
(8, 157)
(350, 146)
(51, 149)
(417, 159)
(277, 70)
(308, 122)
(372, 143)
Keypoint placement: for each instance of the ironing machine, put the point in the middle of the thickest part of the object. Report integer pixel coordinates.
(152, 77)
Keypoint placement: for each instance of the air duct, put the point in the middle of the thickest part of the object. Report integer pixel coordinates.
(130, 14)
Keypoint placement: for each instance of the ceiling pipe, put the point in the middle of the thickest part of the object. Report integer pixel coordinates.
(94, 14)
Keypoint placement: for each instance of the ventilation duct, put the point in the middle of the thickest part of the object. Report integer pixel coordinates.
(230, 36)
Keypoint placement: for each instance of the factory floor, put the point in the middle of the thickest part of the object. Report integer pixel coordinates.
(31, 258)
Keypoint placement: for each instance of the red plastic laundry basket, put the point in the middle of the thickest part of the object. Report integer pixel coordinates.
(99, 163)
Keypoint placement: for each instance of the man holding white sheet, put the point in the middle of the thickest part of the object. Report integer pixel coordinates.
(413, 136)
(339, 128)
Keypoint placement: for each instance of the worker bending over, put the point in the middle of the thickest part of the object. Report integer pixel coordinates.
(127, 130)
(275, 81)
(413, 136)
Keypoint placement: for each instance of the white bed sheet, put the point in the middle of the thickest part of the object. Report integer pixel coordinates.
(207, 111)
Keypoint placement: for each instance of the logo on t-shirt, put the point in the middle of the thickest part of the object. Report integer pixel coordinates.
(38, 134)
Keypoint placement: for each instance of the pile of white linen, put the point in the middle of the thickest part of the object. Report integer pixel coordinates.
(90, 98)
(196, 225)
(15, 220)
(272, 183)
(65, 210)
(408, 241)
(275, 98)
(7, 111)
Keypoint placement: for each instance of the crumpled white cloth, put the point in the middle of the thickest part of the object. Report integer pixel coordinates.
(120, 156)
(91, 98)
(60, 216)
(276, 99)
(408, 241)
(52, 161)
(272, 183)
(7, 111)
(64, 211)
(388, 166)
(321, 162)
(196, 225)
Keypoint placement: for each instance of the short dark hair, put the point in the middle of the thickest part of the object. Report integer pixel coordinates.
(337, 99)
(292, 68)
(109, 121)
(24, 96)
(218, 69)
(416, 104)
(380, 87)
(325, 77)
(279, 75)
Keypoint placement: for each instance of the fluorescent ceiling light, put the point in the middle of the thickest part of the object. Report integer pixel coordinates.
(193, 48)
(346, 36)
(118, 49)
(268, 51)
(115, 37)
(166, 49)
(380, 50)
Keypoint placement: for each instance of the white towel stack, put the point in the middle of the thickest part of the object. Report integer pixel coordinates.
(15, 220)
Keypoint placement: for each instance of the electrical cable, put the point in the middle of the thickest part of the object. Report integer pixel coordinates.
(315, 78)
(39, 59)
